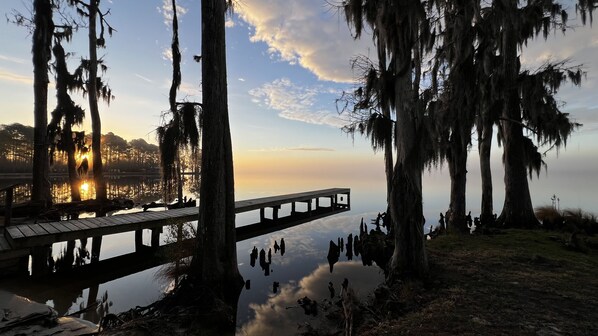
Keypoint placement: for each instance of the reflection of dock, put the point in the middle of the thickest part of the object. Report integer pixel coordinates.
(20, 241)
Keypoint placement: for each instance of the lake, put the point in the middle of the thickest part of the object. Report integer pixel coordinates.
(270, 305)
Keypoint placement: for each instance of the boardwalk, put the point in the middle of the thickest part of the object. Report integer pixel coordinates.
(18, 240)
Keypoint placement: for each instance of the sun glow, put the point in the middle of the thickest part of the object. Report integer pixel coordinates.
(84, 187)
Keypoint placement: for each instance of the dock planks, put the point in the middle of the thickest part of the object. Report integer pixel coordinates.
(31, 235)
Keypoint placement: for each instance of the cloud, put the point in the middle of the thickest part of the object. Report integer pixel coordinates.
(580, 47)
(229, 23)
(12, 59)
(309, 32)
(312, 149)
(190, 89)
(144, 78)
(15, 78)
(281, 315)
(295, 102)
(167, 54)
(299, 149)
(168, 13)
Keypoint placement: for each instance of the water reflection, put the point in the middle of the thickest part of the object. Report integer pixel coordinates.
(140, 189)
(290, 257)
(281, 314)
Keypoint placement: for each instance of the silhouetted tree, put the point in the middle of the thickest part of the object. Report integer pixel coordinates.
(402, 32)
(527, 100)
(41, 49)
(182, 131)
(95, 87)
(66, 115)
(214, 264)
(458, 100)
(370, 112)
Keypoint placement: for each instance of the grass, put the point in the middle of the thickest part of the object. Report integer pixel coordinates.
(521, 282)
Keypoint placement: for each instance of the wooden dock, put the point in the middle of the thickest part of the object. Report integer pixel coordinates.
(20, 241)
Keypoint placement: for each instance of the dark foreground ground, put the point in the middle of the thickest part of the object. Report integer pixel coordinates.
(513, 283)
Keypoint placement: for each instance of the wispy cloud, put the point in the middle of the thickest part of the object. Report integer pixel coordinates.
(229, 23)
(299, 149)
(168, 13)
(167, 54)
(15, 78)
(295, 102)
(308, 32)
(144, 78)
(312, 149)
(12, 59)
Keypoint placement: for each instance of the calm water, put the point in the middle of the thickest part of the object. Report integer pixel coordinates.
(302, 271)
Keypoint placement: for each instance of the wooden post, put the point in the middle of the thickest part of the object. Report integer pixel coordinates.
(275, 212)
(293, 208)
(138, 240)
(262, 215)
(96, 245)
(69, 256)
(155, 241)
(333, 202)
(39, 260)
(317, 203)
(179, 233)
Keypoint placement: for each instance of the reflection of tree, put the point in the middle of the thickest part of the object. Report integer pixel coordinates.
(140, 189)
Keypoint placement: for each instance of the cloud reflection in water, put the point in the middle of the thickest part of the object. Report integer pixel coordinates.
(281, 315)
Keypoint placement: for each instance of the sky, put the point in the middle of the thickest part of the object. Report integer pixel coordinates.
(288, 61)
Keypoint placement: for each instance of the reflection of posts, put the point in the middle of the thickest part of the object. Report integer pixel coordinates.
(349, 247)
(282, 246)
(92, 298)
(276, 247)
(357, 245)
(253, 256)
(333, 254)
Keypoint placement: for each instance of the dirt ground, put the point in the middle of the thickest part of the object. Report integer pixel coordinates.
(518, 282)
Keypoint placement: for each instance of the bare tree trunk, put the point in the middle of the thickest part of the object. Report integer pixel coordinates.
(457, 163)
(517, 210)
(484, 148)
(72, 165)
(214, 264)
(42, 40)
(409, 258)
(92, 93)
(388, 164)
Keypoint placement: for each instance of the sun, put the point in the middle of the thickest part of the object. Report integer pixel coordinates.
(84, 187)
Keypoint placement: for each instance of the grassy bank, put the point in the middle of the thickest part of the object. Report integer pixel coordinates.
(514, 283)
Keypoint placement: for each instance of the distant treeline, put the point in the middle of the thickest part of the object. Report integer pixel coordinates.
(118, 154)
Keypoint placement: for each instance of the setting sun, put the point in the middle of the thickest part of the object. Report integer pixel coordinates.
(84, 187)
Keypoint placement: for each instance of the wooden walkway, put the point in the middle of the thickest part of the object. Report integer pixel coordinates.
(18, 240)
